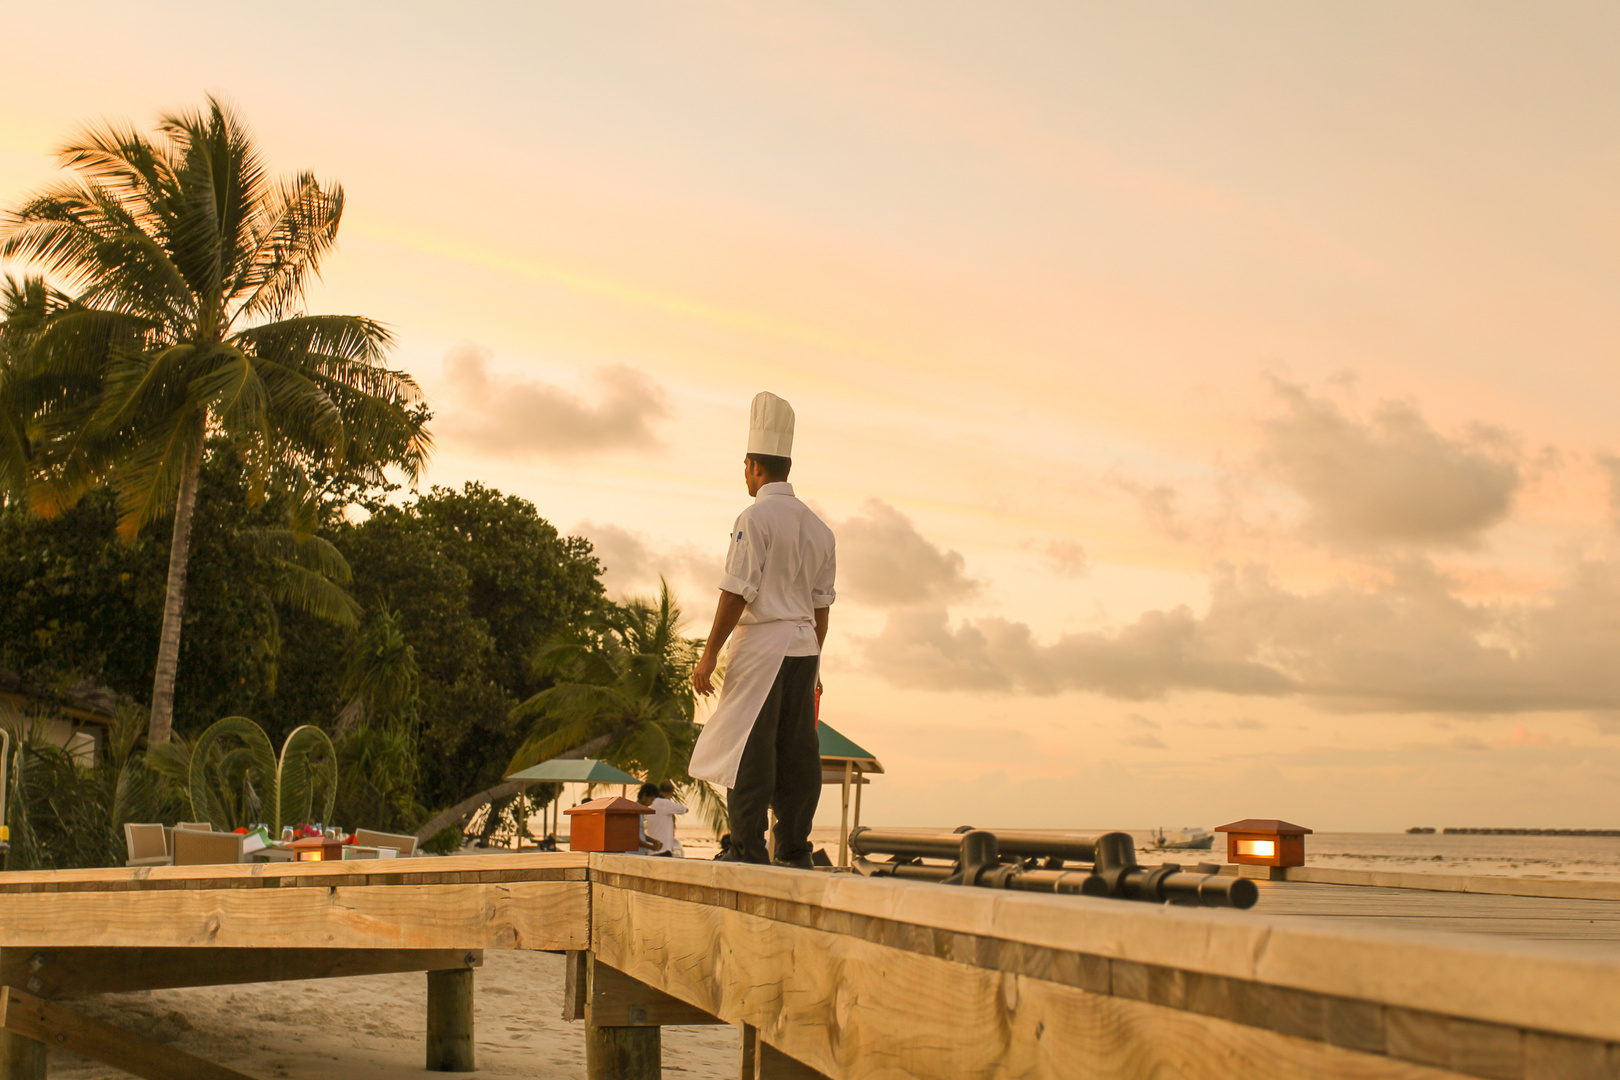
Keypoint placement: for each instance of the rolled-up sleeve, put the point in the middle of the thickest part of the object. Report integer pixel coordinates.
(823, 594)
(745, 561)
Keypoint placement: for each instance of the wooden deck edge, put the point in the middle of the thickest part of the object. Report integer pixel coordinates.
(1483, 884)
(1524, 985)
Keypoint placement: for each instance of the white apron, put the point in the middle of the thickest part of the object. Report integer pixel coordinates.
(754, 656)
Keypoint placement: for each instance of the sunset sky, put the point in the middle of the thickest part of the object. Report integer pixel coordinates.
(1215, 403)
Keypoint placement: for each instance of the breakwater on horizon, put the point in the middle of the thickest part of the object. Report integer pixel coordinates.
(1458, 831)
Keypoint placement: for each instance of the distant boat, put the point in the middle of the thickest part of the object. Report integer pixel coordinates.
(1185, 840)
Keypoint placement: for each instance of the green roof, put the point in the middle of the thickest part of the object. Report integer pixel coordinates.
(575, 771)
(841, 748)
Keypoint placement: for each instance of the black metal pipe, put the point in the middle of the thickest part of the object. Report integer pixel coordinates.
(1118, 848)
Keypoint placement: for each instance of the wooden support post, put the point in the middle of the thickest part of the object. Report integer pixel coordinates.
(762, 1061)
(52, 1025)
(843, 827)
(21, 1058)
(617, 1052)
(858, 804)
(450, 1021)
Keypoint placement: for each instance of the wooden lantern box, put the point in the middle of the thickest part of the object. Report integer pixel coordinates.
(610, 824)
(1265, 842)
(317, 849)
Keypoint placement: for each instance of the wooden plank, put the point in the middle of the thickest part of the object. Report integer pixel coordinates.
(1516, 983)
(1480, 884)
(53, 1025)
(854, 1009)
(617, 1000)
(519, 915)
(257, 873)
(60, 973)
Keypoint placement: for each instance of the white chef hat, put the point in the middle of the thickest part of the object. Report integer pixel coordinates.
(770, 426)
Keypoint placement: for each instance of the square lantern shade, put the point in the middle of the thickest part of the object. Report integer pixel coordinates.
(317, 849)
(1265, 842)
(610, 824)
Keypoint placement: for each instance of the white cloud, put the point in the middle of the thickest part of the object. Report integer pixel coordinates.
(1407, 644)
(883, 561)
(1390, 479)
(632, 562)
(522, 417)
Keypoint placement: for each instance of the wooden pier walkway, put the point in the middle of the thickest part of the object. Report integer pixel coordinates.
(833, 975)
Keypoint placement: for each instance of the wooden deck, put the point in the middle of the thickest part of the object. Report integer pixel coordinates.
(833, 975)
(1593, 923)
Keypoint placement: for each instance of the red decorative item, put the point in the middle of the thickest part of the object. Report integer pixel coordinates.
(611, 824)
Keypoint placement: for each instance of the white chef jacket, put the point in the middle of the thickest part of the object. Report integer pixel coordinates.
(781, 562)
(661, 823)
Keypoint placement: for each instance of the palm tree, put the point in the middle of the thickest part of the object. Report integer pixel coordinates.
(622, 692)
(232, 777)
(188, 266)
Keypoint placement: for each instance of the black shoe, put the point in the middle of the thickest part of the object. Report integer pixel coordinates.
(736, 856)
(803, 862)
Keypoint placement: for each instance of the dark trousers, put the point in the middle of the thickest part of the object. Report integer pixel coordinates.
(780, 768)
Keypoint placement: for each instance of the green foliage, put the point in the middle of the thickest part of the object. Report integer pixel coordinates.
(379, 729)
(188, 264)
(65, 815)
(623, 686)
(477, 580)
(233, 778)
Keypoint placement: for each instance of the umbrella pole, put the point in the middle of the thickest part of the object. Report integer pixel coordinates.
(843, 827)
(858, 804)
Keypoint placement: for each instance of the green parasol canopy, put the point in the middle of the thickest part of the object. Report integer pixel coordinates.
(575, 771)
(838, 748)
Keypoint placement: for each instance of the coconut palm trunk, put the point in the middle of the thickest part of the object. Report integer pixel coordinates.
(174, 599)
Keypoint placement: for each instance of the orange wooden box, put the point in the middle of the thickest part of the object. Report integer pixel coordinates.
(610, 824)
(1265, 842)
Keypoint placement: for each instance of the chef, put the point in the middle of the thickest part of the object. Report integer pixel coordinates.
(761, 742)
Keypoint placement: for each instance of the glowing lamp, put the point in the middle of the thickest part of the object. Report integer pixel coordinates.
(317, 849)
(610, 824)
(1265, 842)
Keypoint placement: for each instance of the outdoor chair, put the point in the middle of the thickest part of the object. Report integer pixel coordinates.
(194, 826)
(147, 845)
(195, 848)
(405, 845)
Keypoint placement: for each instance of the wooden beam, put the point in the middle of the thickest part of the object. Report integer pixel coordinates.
(617, 1000)
(72, 972)
(618, 1052)
(28, 1016)
(450, 1021)
(849, 1007)
(496, 915)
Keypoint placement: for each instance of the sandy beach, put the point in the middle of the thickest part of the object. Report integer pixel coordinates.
(372, 1027)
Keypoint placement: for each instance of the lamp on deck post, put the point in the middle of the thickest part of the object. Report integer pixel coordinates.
(1265, 842)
